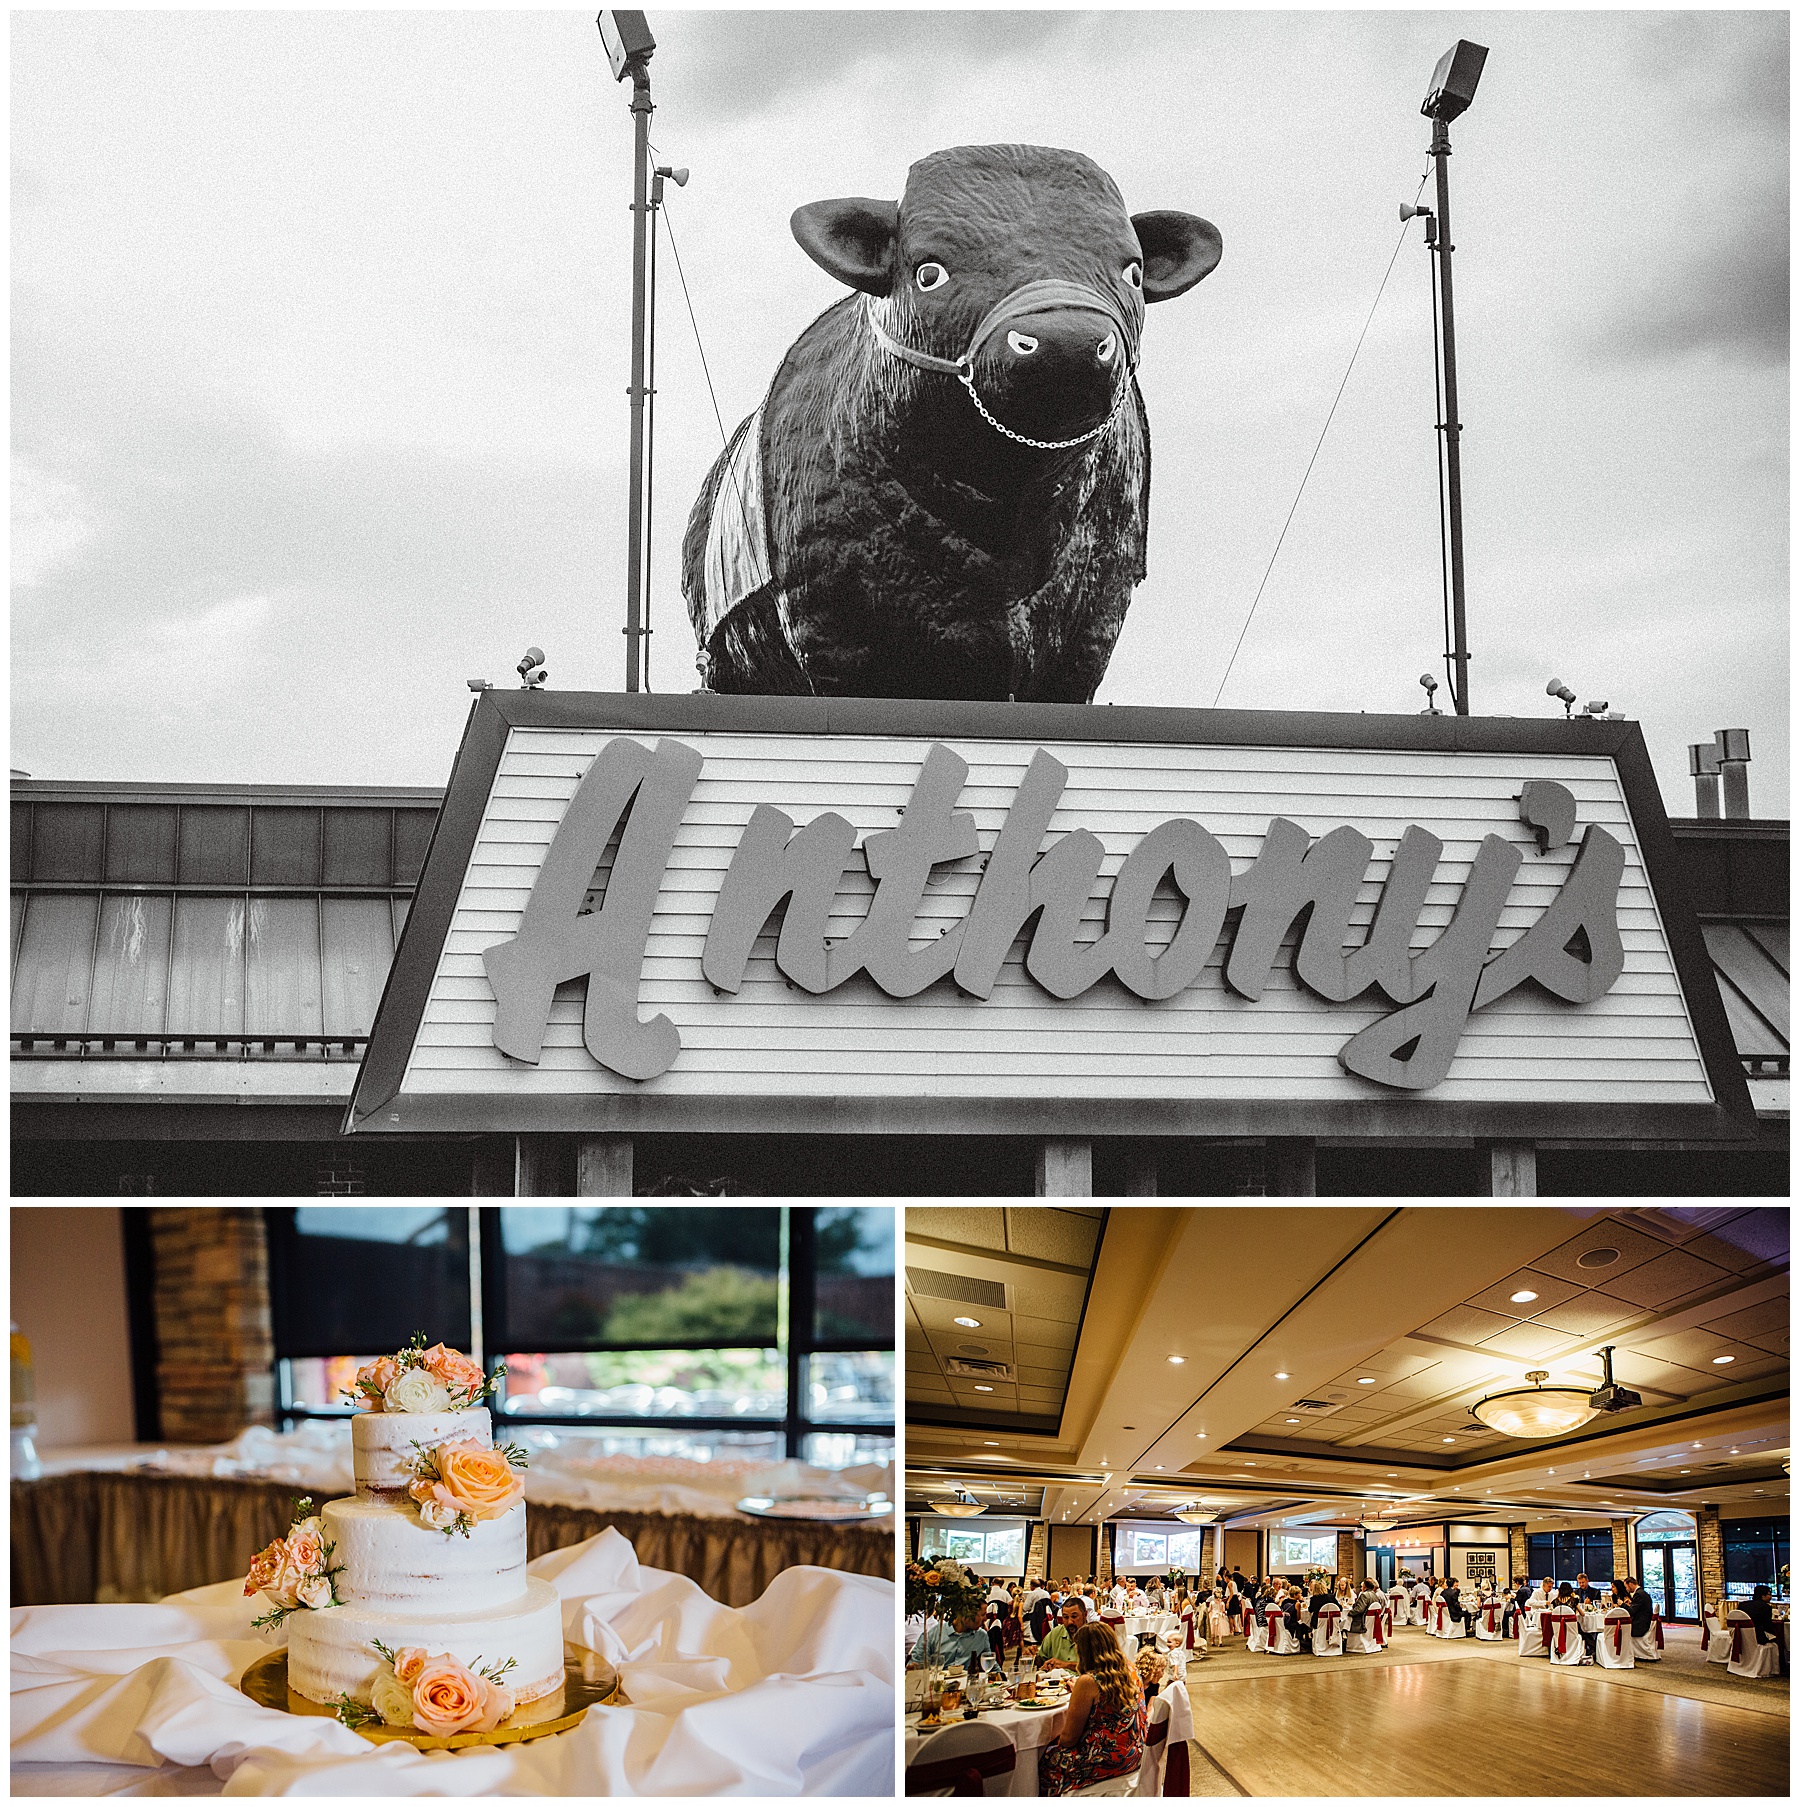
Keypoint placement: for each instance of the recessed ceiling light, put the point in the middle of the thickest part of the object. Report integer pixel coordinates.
(1249, 1464)
(1293, 1421)
(1199, 1433)
(1365, 1380)
(1719, 1361)
(1524, 1298)
(1175, 1361)
(1687, 1471)
(967, 1323)
(1734, 1452)
(981, 1387)
(1282, 1377)
(1449, 1439)
(990, 1443)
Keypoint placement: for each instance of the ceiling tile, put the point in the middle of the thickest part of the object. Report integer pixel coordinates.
(1549, 1288)
(1047, 1333)
(977, 1226)
(1586, 1315)
(1776, 1341)
(1531, 1342)
(1464, 1324)
(1635, 1248)
(1662, 1281)
(1753, 1320)
(1691, 1348)
(1045, 1233)
(1749, 1240)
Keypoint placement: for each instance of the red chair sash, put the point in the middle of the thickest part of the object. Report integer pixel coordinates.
(1617, 1627)
(1659, 1636)
(1561, 1621)
(1737, 1634)
(1705, 1631)
(961, 1775)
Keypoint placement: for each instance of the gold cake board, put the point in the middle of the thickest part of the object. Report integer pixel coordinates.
(588, 1681)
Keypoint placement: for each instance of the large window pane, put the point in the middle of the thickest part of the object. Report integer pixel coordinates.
(846, 1449)
(853, 1256)
(594, 1276)
(364, 1279)
(846, 1388)
(648, 1383)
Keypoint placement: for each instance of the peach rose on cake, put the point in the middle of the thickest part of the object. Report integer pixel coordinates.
(477, 1480)
(306, 1548)
(409, 1659)
(447, 1697)
(455, 1370)
(379, 1374)
(496, 1709)
(265, 1565)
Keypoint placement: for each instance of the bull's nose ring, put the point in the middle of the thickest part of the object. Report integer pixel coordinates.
(1107, 346)
(1023, 343)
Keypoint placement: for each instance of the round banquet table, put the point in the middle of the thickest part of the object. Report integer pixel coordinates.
(1030, 1729)
(1157, 1624)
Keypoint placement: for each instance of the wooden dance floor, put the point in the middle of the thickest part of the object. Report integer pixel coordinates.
(1479, 1728)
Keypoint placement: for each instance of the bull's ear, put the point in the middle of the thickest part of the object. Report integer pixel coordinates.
(1179, 249)
(853, 239)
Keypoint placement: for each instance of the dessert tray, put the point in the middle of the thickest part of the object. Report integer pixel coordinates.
(847, 1511)
(588, 1681)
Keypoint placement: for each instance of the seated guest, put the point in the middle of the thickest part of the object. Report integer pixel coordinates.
(1620, 1594)
(1453, 1605)
(1118, 1597)
(1294, 1618)
(1153, 1596)
(1057, 1650)
(1585, 1592)
(1643, 1608)
(1761, 1615)
(1365, 1597)
(1104, 1723)
(1320, 1595)
(965, 1642)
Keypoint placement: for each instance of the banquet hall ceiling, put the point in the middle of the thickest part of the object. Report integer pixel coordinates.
(1017, 1277)
(1331, 1354)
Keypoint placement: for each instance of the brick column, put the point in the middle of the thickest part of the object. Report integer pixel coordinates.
(1621, 1530)
(1209, 1557)
(214, 1347)
(1103, 1569)
(1037, 1550)
(1515, 1545)
(1712, 1559)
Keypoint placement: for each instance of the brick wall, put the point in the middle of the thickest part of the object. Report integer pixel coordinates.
(1712, 1557)
(214, 1348)
(1037, 1551)
(1349, 1561)
(1103, 1573)
(1621, 1531)
(1515, 1544)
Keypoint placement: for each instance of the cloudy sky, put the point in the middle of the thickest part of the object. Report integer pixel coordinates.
(321, 339)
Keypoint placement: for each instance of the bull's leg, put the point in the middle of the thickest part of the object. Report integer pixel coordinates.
(749, 654)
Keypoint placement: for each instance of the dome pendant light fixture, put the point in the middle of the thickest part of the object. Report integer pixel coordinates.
(963, 1505)
(1537, 1410)
(1197, 1515)
(1374, 1519)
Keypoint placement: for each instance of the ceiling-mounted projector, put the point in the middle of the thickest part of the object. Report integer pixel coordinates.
(1610, 1396)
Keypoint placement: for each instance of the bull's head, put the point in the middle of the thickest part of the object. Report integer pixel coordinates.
(973, 229)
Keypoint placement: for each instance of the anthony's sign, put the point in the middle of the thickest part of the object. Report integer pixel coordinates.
(724, 912)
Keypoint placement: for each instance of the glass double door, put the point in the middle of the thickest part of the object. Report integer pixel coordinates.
(1672, 1579)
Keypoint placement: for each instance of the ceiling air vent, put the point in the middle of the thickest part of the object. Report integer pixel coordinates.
(1314, 1405)
(978, 1370)
(962, 1289)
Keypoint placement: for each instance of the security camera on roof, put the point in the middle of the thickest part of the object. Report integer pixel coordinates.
(1610, 1396)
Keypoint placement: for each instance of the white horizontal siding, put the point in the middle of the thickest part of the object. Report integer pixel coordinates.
(771, 1039)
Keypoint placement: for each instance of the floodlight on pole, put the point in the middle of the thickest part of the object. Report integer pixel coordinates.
(629, 47)
(1453, 84)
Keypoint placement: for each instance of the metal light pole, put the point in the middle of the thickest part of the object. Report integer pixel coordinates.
(629, 47)
(1452, 88)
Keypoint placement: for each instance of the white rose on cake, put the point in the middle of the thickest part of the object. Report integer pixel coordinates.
(436, 1516)
(391, 1698)
(315, 1592)
(416, 1390)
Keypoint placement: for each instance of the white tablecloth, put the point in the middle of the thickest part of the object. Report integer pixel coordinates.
(791, 1695)
(1031, 1731)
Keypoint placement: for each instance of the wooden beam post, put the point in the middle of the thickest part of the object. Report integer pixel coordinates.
(1065, 1167)
(603, 1167)
(1512, 1170)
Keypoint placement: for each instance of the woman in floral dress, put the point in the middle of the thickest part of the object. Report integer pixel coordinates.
(1104, 1723)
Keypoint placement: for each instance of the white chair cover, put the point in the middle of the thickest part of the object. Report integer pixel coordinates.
(1282, 1642)
(1562, 1636)
(1256, 1632)
(1328, 1632)
(1751, 1660)
(1649, 1648)
(1367, 1641)
(1613, 1646)
(973, 1738)
(1399, 1605)
(1487, 1621)
(1531, 1632)
(1715, 1639)
(1439, 1626)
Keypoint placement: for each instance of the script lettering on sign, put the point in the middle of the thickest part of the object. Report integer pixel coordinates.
(1573, 950)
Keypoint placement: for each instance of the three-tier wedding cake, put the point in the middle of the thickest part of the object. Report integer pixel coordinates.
(410, 1602)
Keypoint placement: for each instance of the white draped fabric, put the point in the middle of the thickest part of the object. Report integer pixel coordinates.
(793, 1694)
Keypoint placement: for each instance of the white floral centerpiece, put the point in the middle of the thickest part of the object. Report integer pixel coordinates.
(417, 1379)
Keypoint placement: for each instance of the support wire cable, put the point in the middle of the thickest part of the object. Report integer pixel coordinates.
(1330, 415)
